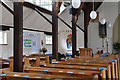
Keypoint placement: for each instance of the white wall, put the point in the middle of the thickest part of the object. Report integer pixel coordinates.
(110, 12)
(62, 36)
(47, 46)
(7, 50)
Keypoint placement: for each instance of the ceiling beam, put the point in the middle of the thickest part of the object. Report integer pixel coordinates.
(58, 5)
(27, 29)
(79, 11)
(7, 7)
(43, 16)
(80, 28)
(65, 22)
(33, 6)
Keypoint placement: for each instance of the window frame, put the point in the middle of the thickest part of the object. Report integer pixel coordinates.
(3, 38)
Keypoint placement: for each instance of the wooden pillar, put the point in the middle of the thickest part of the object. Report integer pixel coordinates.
(54, 32)
(18, 36)
(86, 23)
(73, 36)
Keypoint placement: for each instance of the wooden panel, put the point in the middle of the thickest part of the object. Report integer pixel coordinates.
(85, 52)
(73, 36)
(18, 36)
(54, 32)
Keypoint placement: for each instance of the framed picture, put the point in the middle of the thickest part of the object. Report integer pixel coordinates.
(102, 30)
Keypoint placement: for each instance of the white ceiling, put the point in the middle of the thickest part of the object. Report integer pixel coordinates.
(33, 20)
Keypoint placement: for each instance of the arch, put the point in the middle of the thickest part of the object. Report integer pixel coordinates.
(116, 30)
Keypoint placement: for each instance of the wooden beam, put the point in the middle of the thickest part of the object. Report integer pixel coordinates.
(33, 6)
(80, 28)
(28, 29)
(18, 37)
(86, 23)
(58, 5)
(7, 7)
(97, 5)
(54, 31)
(79, 11)
(73, 36)
(43, 16)
(69, 25)
(65, 22)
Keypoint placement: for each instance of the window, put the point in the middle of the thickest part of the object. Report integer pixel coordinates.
(3, 37)
(47, 4)
(48, 39)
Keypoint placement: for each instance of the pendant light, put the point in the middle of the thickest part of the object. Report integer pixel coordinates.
(76, 3)
(102, 20)
(93, 13)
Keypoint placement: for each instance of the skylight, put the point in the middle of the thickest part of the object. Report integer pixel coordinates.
(47, 4)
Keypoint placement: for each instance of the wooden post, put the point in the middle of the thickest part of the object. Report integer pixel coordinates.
(73, 36)
(103, 74)
(37, 61)
(86, 23)
(11, 65)
(27, 62)
(54, 31)
(47, 59)
(18, 36)
(113, 70)
(109, 72)
(116, 69)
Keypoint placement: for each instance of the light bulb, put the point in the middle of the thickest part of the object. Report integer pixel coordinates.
(76, 3)
(103, 21)
(93, 14)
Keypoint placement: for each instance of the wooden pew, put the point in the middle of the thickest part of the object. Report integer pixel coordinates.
(37, 61)
(78, 67)
(62, 72)
(111, 62)
(85, 52)
(21, 76)
(31, 76)
(87, 64)
(81, 69)
(100, 60)
(3, 63)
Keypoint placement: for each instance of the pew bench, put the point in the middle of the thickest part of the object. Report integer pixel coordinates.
(115, 67)
(30, 76)
(80, 67)
(64, 72)
(88, 64)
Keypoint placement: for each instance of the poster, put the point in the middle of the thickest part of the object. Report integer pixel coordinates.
(31, 42)
(27, 42)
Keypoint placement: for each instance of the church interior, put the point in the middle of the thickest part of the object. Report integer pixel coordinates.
(59, 39)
